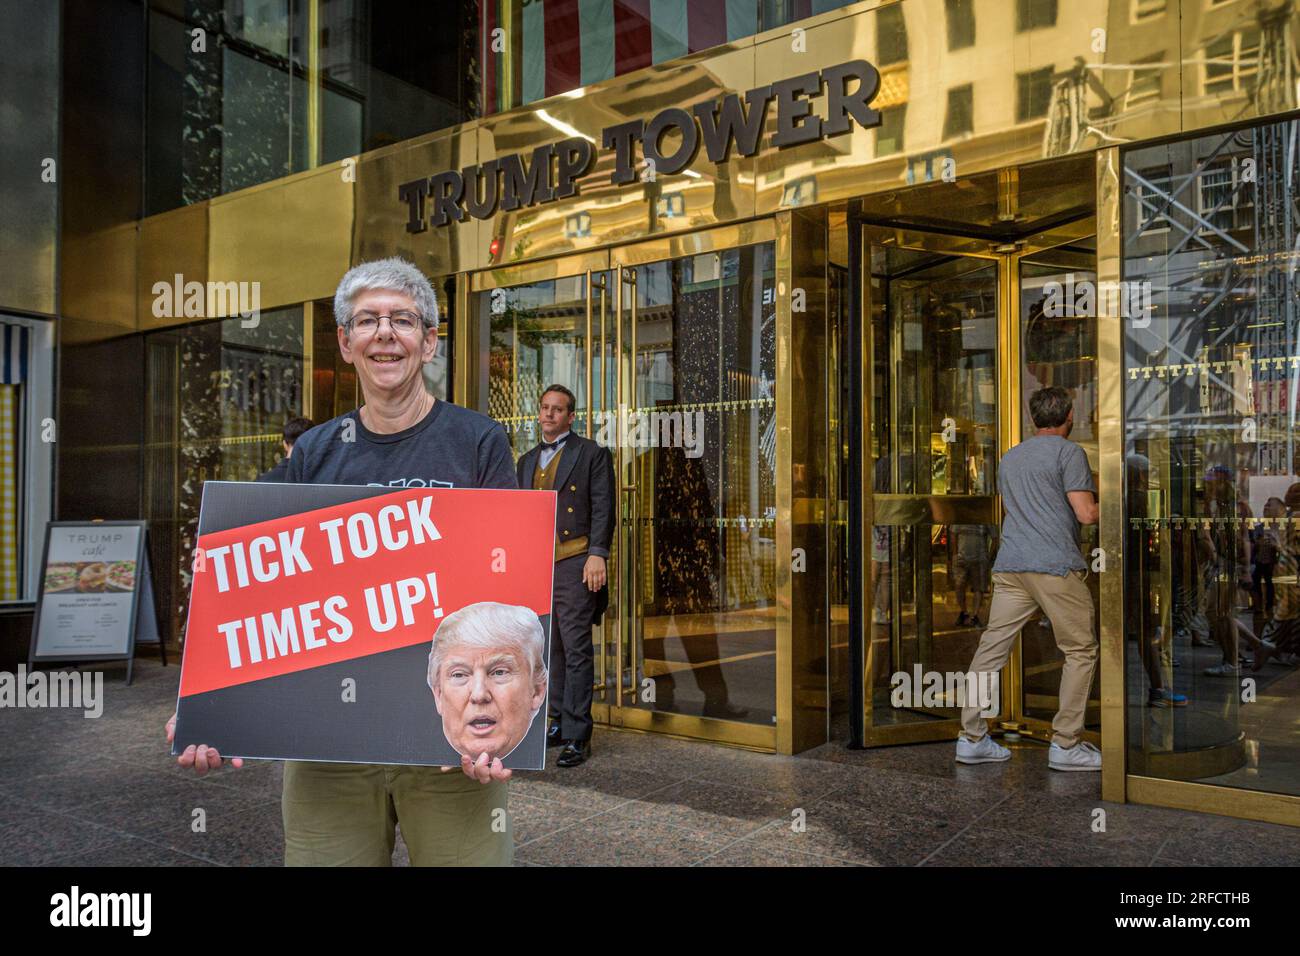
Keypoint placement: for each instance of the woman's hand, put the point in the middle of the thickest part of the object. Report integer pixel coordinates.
(199, 756)
(482, 770)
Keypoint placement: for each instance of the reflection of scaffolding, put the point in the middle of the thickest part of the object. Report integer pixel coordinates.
(1276, 89)
(1277, 218)
(1176, 203)
(1067, 113)
(1069, 121)
(1256, 285)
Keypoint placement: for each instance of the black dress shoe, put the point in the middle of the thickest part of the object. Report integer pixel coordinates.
(574, 753)
(553, 738)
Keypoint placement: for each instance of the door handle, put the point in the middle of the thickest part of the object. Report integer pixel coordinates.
(626, 517)
(596, 281)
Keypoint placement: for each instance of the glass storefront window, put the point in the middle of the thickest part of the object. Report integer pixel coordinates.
(1212, 494)
(219, 395)
(532, 336)
(695, 436)
(28, 432)
(706, 357)
(239, 94)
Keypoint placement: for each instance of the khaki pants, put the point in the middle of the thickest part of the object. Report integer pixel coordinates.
(342, 814)
(1068, 605)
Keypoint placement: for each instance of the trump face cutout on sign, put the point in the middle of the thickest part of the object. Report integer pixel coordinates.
(487, 671)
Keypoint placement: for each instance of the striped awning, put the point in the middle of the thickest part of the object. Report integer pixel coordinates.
(13, 359)
(559, 45)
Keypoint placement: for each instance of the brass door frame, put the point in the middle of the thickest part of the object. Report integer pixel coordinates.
(1015, 719)
(466, 347)
(620, 632)
(623, 261)
(921, 509)
(1008, 258)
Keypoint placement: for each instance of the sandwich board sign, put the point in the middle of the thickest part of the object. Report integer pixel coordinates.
(96, 594)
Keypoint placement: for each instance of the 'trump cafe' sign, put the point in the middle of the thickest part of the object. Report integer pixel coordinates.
(552, 172)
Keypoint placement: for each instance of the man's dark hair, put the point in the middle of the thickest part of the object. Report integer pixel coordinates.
(294, 428)
(1050, 407)
(573, 399)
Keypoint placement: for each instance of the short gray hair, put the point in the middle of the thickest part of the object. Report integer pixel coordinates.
(390, 275)
(490, 624)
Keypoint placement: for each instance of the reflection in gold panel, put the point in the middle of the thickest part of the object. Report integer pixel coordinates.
(804, 418)
(1204, 798)
(27, 268)
(788, 724)
(526, 273)
(97, 280)
(1110, 454)
(1009, 96)
(696, 243)
(293, 236)
(1014, 96)
(701, 194)
(734, 733)
(381, 215)
(174, 243)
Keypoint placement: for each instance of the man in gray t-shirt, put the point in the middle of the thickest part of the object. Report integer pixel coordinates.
(1048, 492)
(1041, 529)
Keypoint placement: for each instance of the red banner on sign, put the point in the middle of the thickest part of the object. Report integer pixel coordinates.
(359, 578)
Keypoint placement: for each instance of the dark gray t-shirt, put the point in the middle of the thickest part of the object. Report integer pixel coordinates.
(451, 447)
(1040, 532)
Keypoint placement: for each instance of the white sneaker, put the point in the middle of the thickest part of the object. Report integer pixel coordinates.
(1082, 756)
(1222, 670)
(982, 751)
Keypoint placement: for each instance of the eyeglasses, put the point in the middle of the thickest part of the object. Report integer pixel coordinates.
(366, 324)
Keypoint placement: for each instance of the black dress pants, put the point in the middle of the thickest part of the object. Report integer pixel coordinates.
(572, 661)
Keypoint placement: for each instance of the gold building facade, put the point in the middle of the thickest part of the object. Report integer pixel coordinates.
(808, 359)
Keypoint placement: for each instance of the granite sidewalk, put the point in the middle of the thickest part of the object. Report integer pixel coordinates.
(105, 792)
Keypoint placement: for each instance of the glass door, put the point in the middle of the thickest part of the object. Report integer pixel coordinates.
(672, 357)
(531, 334)
(934, 420)
(694, 437)
(958, 335)
(1057, 346)
(538, 326)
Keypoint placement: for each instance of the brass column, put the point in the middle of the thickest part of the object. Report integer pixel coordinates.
(308, 355)
(462, 341)
(803, 459)
(313, 84)
(1110, 448)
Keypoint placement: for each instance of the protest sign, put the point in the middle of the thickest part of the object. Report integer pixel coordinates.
(314, 610)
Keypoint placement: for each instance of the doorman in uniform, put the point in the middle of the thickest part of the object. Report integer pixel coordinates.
(582, 475)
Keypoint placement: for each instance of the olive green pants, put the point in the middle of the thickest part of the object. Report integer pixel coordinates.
(344, 814)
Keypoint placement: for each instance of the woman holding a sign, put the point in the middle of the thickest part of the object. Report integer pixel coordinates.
(401, 437)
